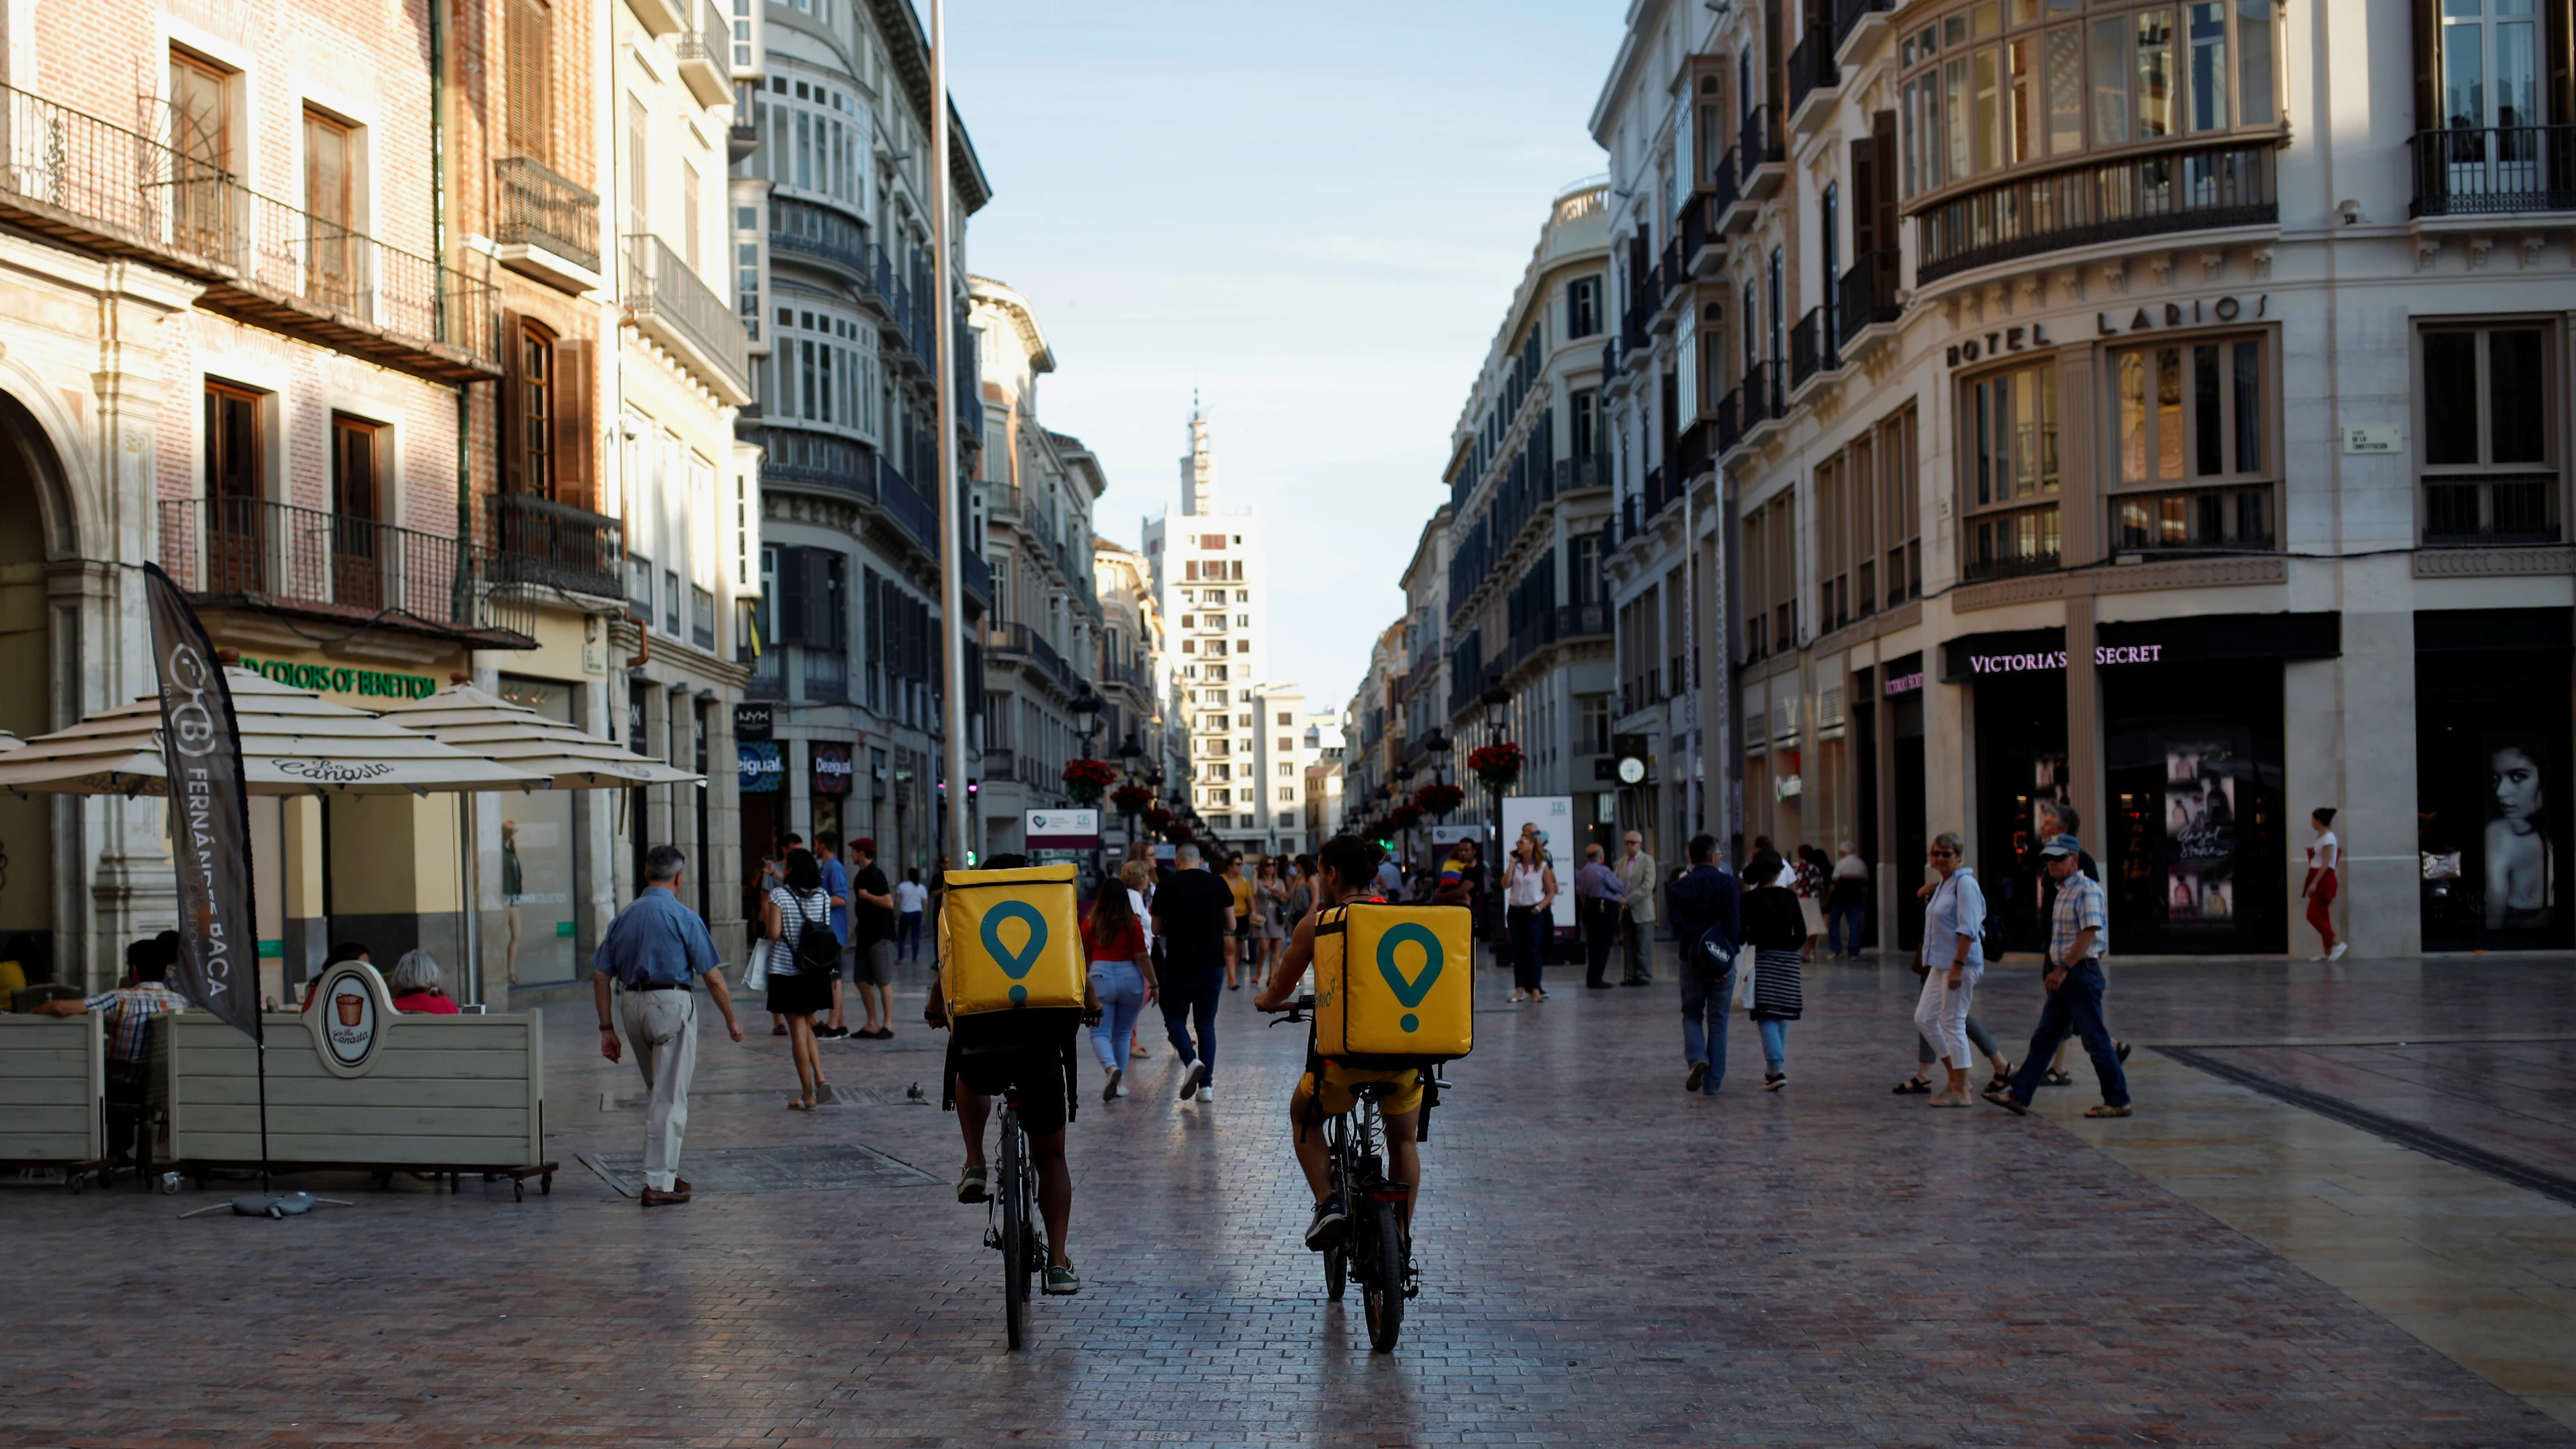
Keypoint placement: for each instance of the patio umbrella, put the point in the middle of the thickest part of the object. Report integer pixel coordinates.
(483, 723)
(293, 743)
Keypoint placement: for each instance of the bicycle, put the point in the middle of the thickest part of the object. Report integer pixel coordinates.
(1376, 1249)
(1010, 1218)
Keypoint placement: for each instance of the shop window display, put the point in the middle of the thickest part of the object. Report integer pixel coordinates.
(539, 832)
(2021, 770)
(2492, 761)
(2193, 853)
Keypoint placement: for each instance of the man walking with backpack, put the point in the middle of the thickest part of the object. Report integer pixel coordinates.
(1708, 921)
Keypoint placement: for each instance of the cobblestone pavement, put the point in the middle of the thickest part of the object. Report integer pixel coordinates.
(1605, 1261)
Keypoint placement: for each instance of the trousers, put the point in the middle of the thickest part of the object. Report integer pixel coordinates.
(2321, 907)
(1842, 929)
(1600, 921)
(2076, 1005)
(1121, 989)
(1941, 1013)
(1529, 927)
(1978, 1037)
(1704, 1000)
(1190, 995)
(662, 1029)
(1640, 953)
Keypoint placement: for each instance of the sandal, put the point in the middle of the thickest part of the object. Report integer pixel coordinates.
(2120, 1049)
(2106, 1110)
(800, 1105)
(2056, 1078)
(2002, 1078)
(1913, 1087)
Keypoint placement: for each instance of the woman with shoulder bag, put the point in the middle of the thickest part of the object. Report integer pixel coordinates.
(1776, 928)
(1122, 978)
(803, 954)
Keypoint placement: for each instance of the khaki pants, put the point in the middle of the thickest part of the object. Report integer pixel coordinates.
(662, 1030)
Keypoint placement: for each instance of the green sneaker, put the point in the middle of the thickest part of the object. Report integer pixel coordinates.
(970, 1186)
(1064, 1280)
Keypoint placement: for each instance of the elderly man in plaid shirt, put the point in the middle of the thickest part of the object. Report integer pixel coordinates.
(129, 1008)
(2079, 932)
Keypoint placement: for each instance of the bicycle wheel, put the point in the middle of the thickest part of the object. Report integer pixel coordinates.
(1337, 1271)
(1382, 1276)
(1015, 1230)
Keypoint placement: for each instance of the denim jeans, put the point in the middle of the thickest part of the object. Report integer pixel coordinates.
(1704, 1000)
(1842, 930)
(1530, 927)
(907, 935)
(1121, 989)
(2076, 1005)
(1190, 995)
(1775, 1044)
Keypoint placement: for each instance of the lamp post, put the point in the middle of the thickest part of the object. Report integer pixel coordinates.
(1498, 706)
(1398, 796)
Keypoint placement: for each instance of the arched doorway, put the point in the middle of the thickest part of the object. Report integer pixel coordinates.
(32, 512)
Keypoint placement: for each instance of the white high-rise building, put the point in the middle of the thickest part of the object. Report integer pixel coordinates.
(1207, 565)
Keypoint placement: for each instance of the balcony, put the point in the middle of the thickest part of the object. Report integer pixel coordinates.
(1576, 475)
(1766, 398)
(1815, 81)
(2011, 545)
(1869, 311)
(1671, 295)
(548, 228)
(741, 139)
(802, 230)
(706, 57)
(2107, 201)
(1019, 642)
(1642, 692)
(1758, 153)
(2494, 171)
(672, 305)
(1703, 251)
(2196, 521)
(1691, 457)
(538, 543)
(661, 17)
(1814, 349)
(1857, 26)
(2492, 512)
(1730, 422)
(250, 553)
(107, 191)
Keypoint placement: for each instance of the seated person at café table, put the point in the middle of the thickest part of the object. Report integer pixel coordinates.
(340, 951)
(129, 1008)
(419, 987)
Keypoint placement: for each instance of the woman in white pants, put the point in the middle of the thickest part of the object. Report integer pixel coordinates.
(1952, 960)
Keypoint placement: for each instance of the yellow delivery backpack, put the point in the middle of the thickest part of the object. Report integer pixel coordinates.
(1014, 940)
(1394, 985)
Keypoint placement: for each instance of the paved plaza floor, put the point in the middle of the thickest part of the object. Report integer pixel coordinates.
(2345, 1214)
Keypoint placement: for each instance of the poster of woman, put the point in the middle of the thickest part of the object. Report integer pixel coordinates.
(2200, 832)
(2520, 870)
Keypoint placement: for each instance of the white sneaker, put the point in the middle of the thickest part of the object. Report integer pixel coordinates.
(2337, 953)
(1190, 1080)
(2320, 956)
(1207, 1096)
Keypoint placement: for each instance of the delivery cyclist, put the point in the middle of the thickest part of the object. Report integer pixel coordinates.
(991, 1053)
(1345, 865)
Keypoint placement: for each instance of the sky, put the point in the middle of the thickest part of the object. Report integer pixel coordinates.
(1314, 215)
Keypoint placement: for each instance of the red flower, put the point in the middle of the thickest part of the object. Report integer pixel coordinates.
(1439, 798)
(1404, 817)
(1131, 799)
(1497, 765)
(1085, 779)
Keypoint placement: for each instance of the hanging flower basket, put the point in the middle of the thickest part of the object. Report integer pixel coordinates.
(1157, 818)
(1497, 766)
(1404, 817)
(1085, 779)
(1440, 798)
(1131, 800)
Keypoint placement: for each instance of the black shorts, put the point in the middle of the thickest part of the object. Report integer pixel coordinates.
(1029, 1051)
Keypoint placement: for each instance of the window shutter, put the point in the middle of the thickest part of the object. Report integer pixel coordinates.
(514, 456)
(1864, 174)
(793, 594)
(2428, 65)
(575, 443)
(1881, 197)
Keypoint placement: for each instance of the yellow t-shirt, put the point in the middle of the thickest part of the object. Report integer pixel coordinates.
(1242, 888)
(13, 977)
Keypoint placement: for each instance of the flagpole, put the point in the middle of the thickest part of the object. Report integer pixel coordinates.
(943, 368)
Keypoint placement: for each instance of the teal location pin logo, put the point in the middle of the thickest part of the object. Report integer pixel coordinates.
(1015, 964)
(1409, 993)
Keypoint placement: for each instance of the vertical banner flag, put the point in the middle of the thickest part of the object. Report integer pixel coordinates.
(209, 813)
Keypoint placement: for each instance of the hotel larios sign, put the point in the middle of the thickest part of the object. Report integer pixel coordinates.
(2156, 317)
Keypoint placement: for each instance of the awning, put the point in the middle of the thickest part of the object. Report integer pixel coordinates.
(482, 723)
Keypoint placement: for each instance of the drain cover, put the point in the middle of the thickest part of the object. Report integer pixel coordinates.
(821, 1166)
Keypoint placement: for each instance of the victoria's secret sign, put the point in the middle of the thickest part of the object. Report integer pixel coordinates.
(2103, 654)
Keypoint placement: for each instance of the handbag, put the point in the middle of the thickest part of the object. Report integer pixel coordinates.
(755, 967)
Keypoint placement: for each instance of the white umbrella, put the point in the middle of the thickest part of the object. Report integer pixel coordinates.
(293, 743)
(482, 723)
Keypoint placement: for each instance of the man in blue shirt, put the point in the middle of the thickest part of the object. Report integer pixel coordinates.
(655, 951)
(1707, 907)
(836, 884)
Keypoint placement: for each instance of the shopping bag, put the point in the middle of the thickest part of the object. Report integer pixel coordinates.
(1746, 963)
(755, 967)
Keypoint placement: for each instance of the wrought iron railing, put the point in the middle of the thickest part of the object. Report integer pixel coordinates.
(2235, 519)
(1868, 293)
(1813, 346)
(1694, 230)
(676, 304)
(540, 208)
(1847, 14)
(1811, 68)
(2491, 512)
(1765, 392)
(1730, 421)
(1758, 143)
(539, 542)
(2494, 170)
(2106, 201)
(2012, 544)
(103, 188)
(279, 554)
(1575, 474)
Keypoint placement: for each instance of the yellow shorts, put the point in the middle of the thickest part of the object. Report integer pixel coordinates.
(1333, 1095)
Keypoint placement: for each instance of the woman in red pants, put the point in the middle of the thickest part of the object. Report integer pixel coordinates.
(2324, 855)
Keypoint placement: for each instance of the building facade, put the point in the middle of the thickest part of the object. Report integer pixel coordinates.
(1034, 491)
(1139, 730)
(1529, 495)
(831, 274)
(2158, 411)
(1209, 566)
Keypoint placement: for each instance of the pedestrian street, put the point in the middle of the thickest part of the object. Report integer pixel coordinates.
(1604, 1260)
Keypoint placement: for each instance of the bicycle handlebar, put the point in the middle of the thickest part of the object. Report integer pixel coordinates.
(1296, 1010)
